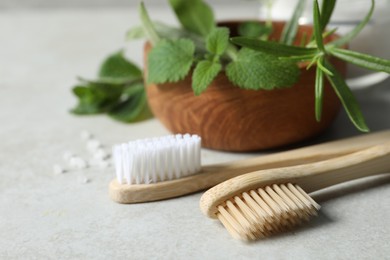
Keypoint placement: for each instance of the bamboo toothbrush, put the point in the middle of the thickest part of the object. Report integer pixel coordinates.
(261, 203)
(121, 191)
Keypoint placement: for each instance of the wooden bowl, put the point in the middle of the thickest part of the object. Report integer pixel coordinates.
(232, 119)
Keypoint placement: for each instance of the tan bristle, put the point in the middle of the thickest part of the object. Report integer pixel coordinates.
(266, 211)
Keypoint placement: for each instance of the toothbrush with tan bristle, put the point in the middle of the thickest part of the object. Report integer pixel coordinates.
(167, 167)
(261, 203)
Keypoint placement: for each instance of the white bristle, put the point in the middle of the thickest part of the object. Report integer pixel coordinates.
(265, 211)
(157, 159)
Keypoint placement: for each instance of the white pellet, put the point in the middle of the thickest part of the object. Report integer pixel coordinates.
(100, 154)
(93, 145)
(85, 135)
(67, 156)
(78, 163)
(57, 169)
(104, 164)
(83, 180)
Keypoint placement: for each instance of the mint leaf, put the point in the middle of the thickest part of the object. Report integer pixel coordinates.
(253, 29)
(170, 60)
(117, 69)
(87, 104)
(195, 15)
(135, 33)
(96, 98)
(204, 73)
(217, 41)
(257, 70)
(134, 107)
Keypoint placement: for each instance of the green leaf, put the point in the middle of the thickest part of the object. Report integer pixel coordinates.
(352, 34)
(170, 60)
(253, 29)
(257, 70)
(204, 73)
(148, 24)
(168, 32)
(291, 27)
(326, 12)
(134, 108)
(217, 41)
(95, 98)
(317, 27)
(363, 60)
(319, 90)
(273, 48)
(86, 104)
(195, 15)
(298, 58)
(136, 33)
(347, 98)
(321, 67)
(117, 69)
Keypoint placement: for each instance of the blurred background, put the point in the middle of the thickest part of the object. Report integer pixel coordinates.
(24, 4)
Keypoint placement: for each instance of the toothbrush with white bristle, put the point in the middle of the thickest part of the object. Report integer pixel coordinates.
(170, 166)
(157, 159)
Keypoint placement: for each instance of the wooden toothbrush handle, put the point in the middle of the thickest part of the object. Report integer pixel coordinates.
(212, 175)
(310, 177)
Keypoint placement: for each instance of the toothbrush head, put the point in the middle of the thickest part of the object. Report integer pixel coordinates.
(157, 159)
(265, 211)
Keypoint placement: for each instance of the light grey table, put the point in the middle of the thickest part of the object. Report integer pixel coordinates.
(49, 216)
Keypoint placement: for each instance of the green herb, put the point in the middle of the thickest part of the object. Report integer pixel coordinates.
(148, 25)
(118, 91)
(352, 34)
(204, 74)
(290, 29)
(326, 12)
(347, 98)
(362, 60)
(195, 15)
(205, 48)
(274, 48)
(134, 107)
(170, 60)
(217, 43)
(319, 53)
(258, 70)
(254, 29)
(116, 69)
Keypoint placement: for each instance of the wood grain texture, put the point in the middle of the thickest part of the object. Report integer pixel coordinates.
(232, 119)
(215, 174)
(311, 177)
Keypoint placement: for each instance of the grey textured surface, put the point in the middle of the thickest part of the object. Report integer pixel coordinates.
(48, 216)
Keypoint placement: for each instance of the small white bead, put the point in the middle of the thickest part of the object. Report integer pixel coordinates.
(67, 156)
(83, 180)
(85, 135)
(104, 164)
(100, 154)
(57, 169)
(78, 163)
(93, 145)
